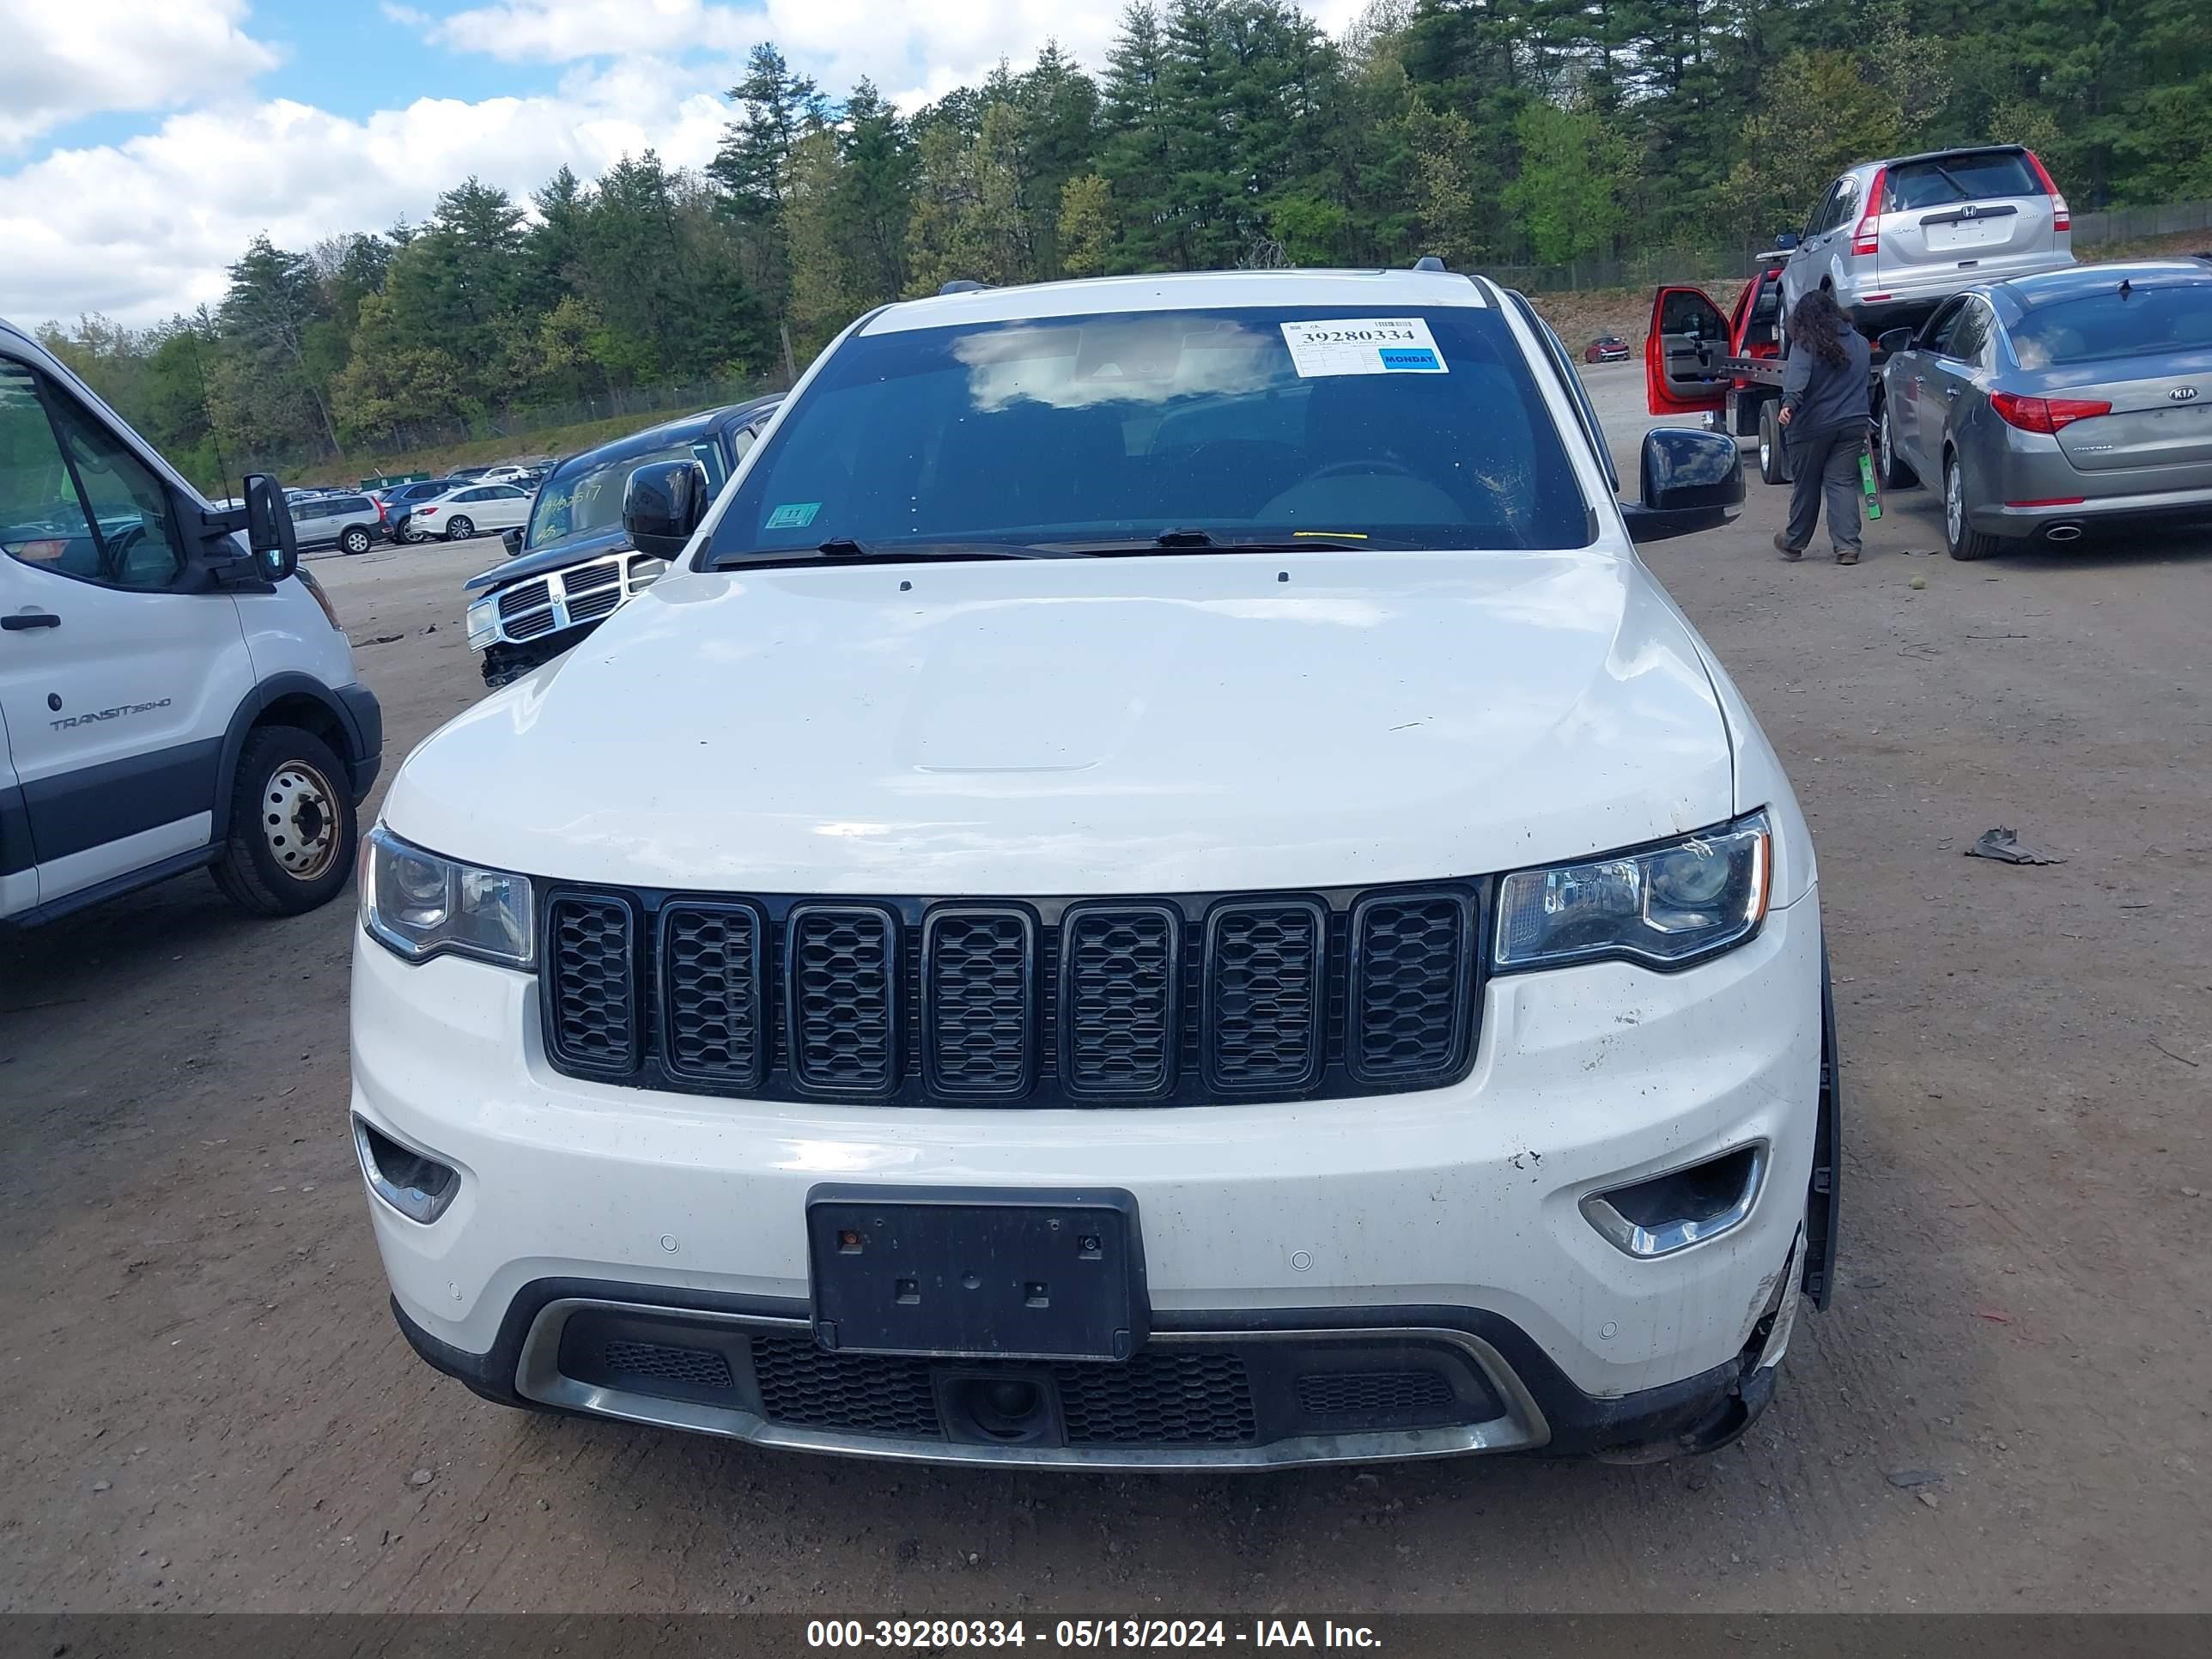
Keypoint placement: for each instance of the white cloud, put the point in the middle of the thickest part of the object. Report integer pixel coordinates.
(148, 228)
(914, 50)
(67, 58)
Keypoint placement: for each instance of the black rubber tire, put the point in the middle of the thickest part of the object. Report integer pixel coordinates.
(248, 871)
(1896, 473)
(1968, 542)
(460, 529)
(356, 539)
(1773, 453)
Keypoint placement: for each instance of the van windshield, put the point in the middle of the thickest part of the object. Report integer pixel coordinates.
(1422, 428)
(589, 497)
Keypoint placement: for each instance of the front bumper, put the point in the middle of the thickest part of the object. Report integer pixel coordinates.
(1454, 1212)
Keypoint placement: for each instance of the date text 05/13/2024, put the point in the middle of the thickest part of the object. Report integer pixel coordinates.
(939, 1634)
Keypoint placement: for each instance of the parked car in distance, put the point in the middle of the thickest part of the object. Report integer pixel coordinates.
(401, 500)
(506, 475)
(2047, 406)
(1159, 883)
(1893, 239)
(1606, 349)
(175, 691)
(575, 565)
(467, 474)
(352, 522)
(474, 509)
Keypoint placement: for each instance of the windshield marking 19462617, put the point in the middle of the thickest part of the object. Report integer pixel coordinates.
(1252, 426)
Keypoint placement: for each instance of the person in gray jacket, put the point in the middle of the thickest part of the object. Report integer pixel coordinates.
(1825, 413)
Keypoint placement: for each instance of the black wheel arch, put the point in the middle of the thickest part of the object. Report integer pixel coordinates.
(346, 717)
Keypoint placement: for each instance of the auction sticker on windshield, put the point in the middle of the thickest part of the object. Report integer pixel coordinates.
(1362, 345)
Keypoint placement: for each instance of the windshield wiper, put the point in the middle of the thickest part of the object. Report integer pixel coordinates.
(1175, 541)
(850, 550)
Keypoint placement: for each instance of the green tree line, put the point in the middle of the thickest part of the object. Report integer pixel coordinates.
(1216, 133)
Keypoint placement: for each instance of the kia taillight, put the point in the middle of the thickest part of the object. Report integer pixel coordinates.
(2046, 415)
(2062, 217)
(1866, 238)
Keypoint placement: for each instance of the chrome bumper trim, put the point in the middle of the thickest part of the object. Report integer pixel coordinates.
(538, 1377)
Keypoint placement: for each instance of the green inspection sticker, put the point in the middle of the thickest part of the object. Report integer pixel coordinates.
(793, 516)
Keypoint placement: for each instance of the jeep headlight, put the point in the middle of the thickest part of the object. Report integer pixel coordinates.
(483, 622)
(419, 905)
(1665, 906)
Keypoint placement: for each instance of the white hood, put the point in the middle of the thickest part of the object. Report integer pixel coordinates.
(1186, 723)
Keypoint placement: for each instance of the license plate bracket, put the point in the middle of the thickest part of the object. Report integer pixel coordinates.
(977, 1272)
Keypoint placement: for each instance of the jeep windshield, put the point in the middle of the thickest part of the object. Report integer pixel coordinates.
(585, 497)
(1135, 430)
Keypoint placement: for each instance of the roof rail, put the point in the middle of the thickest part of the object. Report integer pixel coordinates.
(1429, 262)
(961, 285)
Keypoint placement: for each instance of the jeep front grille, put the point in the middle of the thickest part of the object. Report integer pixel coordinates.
(1187, 1000)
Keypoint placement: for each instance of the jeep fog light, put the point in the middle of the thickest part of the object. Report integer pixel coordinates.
(1669, 1213)
(413, 1183)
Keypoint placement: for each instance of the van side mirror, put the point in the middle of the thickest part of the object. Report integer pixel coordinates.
(1785, 240)
(662, 504)
(1891, 341)
(269, 529)
(1691, 481)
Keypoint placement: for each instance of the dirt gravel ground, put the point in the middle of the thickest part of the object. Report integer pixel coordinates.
(209, 1407)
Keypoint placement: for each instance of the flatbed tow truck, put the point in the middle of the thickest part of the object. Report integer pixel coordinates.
(1727, 366)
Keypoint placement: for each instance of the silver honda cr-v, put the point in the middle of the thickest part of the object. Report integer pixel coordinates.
(1894, 239)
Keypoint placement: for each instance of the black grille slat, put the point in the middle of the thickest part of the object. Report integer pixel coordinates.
(1264, 1015)
(1349, 1394)
(979, 1001)
(523, 596)
(842, 996)
(1411, 986)
(655, 1362)
(713, 993)
(591, 982)
(1184, 1000)
(856, 1394)
(1158, 1400)
(1119, 976)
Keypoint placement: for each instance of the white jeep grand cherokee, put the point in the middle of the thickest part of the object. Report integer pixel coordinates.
(1157, 887)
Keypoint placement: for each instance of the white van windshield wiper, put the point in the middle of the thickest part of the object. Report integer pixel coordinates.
(850, 550)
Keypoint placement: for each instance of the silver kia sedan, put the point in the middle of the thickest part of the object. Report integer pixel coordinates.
(2051, 404)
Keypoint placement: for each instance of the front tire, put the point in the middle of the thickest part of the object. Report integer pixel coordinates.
(1960, 539)
(293, 828)
(459, 529)
(1895, 473)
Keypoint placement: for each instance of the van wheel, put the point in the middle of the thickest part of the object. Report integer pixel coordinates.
(1895, 473)
(1960, 539)
(355, 540)
(459, 529)
(293, 832)
(1773, 458)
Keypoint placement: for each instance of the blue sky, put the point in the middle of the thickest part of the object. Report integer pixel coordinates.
(144, 142)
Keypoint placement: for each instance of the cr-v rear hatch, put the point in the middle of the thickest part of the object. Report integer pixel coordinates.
(1983, 215)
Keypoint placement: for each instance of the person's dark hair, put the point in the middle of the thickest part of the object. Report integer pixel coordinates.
(1818, 324)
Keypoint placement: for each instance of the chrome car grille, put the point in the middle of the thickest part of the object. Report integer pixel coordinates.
(1185, 999)
(581, 593)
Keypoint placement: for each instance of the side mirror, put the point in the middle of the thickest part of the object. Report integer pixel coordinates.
(1691, 481)
(1892, 341)
(1785, 240)
(513, 538)
(269, 529)
(662, 504)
